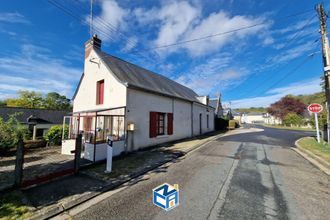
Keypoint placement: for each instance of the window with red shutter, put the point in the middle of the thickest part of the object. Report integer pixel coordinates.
(100, 92)
(169, 123)
(153, 125)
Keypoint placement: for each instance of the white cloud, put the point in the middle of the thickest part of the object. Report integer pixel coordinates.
(34, 68)
(13, 17)
(130, 44)
(300, 88)
(268, 41)
(294, 52)
(213, 76)
(183, 21)
(112, 18)
(224, 23)
(176, 18)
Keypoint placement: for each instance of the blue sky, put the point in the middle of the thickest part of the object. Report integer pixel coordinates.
(42, 46)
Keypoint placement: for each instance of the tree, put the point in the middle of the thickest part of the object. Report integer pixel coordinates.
(10, 132)
(285, 105)
(292, 119)
(53, 100)
(31, 99)
(26, 99)
(3, 103)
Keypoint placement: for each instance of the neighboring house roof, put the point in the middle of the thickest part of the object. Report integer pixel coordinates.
(137, 77)
(41, 116)
(213, 103)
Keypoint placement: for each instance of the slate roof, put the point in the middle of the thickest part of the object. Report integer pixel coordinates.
(42, 116)
(213, 103)
(140, 78)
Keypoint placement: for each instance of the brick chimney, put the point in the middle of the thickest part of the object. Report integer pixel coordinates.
(93, 43)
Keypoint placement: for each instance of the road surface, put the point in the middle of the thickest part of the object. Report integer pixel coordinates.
(245, 176)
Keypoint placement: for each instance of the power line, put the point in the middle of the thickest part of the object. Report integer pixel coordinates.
(219, 34)
(288, 74)
(287, 43)
(77, 17)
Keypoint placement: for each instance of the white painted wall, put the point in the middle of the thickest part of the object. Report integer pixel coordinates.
(201, 109)
(114, 91)
(139, 106)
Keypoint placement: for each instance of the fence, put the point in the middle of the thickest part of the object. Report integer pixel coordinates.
(27, 167)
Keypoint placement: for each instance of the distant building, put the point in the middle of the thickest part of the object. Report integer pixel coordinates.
(257, 118)
(216, 104)
(37, 120)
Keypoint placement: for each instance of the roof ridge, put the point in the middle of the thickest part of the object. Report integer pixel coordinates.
(157, 74)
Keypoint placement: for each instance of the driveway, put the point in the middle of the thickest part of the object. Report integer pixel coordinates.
(244, 176)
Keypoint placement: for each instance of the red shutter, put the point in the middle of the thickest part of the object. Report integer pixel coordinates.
(153, 124)
(101, 95)
(169, 123)
(100, 92)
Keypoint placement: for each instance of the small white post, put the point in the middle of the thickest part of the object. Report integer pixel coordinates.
(317, 128)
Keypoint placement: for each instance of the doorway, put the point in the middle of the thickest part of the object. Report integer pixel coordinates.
(200, 123)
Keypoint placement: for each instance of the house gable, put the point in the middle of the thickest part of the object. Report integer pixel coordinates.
(86, 94)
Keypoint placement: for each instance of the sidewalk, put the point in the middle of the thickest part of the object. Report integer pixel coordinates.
(52, 198)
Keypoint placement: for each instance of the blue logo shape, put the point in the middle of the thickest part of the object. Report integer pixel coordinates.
(166, 196)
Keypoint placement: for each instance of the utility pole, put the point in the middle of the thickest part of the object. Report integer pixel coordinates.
(326, 59)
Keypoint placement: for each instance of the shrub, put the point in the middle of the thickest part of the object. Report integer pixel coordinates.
(221, 124)
(54, 134)
(10, 132)
(35, 143)
(292, 119)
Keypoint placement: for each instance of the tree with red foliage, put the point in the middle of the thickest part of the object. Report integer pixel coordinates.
(286, 105)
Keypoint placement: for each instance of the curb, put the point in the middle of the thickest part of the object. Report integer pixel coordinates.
(315, 160)
(56, 209)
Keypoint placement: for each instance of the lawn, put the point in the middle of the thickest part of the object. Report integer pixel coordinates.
(128, 165)
(320, 149)
(13, 207)
(289, 128)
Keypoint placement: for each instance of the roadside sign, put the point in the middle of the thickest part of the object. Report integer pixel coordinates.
(315, 108)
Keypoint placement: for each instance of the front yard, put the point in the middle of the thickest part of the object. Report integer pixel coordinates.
(320, 149)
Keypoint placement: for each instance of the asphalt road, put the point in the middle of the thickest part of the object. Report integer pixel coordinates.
(245, 176)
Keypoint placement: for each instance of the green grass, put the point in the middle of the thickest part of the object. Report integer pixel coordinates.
(320, 149)
(127, 165)
(289, 128)
(12, 207)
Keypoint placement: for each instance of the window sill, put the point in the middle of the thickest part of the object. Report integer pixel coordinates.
(163, 136)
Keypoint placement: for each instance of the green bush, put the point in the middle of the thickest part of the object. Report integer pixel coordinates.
(292, 119)
(54, 134)
(221, 124)
(10, 132)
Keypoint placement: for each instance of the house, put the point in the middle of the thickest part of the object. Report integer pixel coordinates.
(37, 120)
(257, 118)
(134, 107)
(216, 104)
